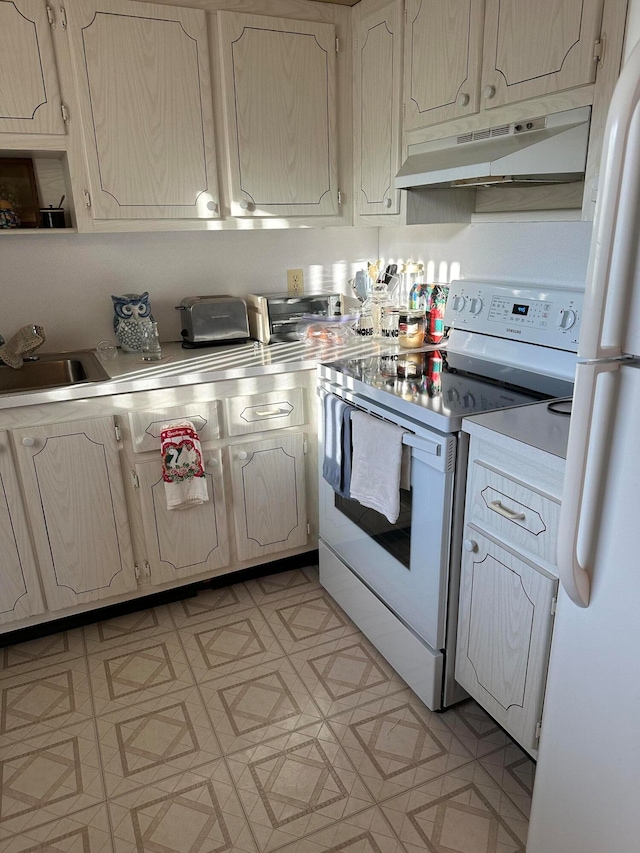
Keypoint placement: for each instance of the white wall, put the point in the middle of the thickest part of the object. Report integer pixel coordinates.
(65, 281)
(535, 252)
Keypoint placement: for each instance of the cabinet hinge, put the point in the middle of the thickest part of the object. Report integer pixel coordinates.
(87, 198)
(598, 49)
(538, 730)
(304, 445)
(339, 197)
(554, 604)
(404, 110)
(135, 482)
(63, 17)
(308, 529)
(337, 45)
(117, 431)
(51, 18)
(136, 571)
(65, 113)
(147, 568)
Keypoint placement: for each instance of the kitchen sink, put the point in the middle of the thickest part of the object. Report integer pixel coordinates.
(52, 370)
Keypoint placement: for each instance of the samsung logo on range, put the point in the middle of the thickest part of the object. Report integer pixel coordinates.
(514, 331)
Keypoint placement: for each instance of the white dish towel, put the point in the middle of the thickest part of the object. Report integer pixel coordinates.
(376, 464)
(185, 483)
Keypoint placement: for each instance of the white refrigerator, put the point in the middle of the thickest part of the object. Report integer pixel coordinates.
(587, 789)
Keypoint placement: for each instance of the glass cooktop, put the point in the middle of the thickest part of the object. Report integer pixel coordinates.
(444, 386)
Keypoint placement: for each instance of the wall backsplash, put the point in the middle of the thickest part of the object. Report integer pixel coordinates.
(65, 281)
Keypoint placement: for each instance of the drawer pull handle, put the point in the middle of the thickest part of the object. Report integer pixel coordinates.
(264, 413)
(496, 506)
(213, 462)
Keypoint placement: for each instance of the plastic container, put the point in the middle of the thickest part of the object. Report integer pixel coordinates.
(313, 329)
(411, 329)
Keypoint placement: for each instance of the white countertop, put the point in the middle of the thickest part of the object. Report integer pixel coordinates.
(532, 424)
(178, 367)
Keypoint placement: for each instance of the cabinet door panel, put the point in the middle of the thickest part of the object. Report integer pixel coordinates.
(143, 75)
(183, 542)
(269, 496)
(443, 50)
(279, 96)
(20, 590)
(75, 498)
(504, 636)
(29, 93)
(532, 49)
(378, 106)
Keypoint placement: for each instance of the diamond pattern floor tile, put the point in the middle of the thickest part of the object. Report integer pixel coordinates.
(155, 739)
(258, 703)
(53, 697)
(48, 776)
(396, 743)
(461, 812)
(140, 625)
(194, 812)
(138, 671)
(86, 831)
(294, 785)
(341, 674)
(254, 718)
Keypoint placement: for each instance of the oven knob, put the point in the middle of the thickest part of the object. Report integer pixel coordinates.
(566, 318)
(468, 400)
(475, 305)
(458, 303)
(470, 545)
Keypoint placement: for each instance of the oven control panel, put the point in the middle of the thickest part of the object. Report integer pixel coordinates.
(539, 315)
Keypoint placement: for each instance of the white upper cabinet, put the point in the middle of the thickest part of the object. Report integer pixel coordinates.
(533, 49)
(280, 115)
(378, 98)
(144, 88)
(29, 93)
(443, 44)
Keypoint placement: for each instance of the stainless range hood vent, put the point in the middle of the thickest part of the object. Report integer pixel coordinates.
(546, 149)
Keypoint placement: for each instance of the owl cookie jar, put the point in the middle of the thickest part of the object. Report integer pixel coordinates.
(131, 311)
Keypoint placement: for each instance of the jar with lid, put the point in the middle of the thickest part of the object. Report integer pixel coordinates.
(378, 302)
(411, 328)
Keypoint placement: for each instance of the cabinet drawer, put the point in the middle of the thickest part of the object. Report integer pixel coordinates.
(262, 412)
(146, 426)
(517, 514)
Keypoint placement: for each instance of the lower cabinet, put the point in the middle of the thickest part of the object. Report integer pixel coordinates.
(183, 542)
(504, 635)
(75, 500)
(268, 486)
(20, 594)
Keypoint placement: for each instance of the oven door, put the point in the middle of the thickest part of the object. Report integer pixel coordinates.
(406, 565)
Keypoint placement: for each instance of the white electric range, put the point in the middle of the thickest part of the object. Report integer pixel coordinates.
(509, 345)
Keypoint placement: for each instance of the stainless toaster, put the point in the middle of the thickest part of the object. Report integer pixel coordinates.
(273, 317)
(208, 320)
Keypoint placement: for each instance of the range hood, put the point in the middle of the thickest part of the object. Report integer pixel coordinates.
(543, 150)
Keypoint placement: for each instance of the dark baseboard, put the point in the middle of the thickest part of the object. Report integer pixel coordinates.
(111, 611)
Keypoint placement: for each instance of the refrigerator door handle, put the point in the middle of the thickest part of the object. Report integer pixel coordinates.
(581, 495)
(610, 275)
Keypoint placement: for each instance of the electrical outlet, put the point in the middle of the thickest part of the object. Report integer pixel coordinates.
(295, 282)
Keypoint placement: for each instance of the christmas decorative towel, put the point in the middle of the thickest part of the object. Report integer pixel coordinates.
(185, 483)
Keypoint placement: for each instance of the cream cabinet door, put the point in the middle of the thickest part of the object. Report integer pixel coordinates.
(29, 93)
(504, 635)
(280, 115)
(269, 505)
(443, 45)
(145, 98)
(186, 542)
(533, 49)
(75, 501)
(19, 590)
(378, 112)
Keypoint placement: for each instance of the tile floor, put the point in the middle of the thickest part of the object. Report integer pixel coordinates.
(252, 718)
